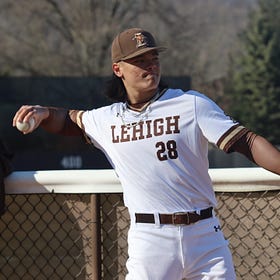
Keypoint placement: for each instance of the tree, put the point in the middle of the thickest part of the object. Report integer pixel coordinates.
(254, 83)
(60, 38)
(72, 38)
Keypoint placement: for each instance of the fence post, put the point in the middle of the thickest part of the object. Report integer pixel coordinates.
(96, 237)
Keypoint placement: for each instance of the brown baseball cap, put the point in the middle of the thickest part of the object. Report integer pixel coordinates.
(131, 43)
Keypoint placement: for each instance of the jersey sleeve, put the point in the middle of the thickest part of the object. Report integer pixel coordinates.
(215, 125)
(230, 137)
(93, 123)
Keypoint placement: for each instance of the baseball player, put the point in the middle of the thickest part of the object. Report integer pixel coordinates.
(156, 139)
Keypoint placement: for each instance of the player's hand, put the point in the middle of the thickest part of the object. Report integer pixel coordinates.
(32, 115)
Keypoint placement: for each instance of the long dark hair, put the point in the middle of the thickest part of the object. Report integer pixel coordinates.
(115, 89)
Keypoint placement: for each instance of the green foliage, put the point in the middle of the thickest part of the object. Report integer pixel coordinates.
(254, 84)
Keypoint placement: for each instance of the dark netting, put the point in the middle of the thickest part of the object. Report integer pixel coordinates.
(51, 236)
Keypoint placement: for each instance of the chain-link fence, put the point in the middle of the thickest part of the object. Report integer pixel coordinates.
(46, 237)
(251, 222)
(50, 236)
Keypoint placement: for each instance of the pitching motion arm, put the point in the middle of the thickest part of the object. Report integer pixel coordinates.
(52, 119)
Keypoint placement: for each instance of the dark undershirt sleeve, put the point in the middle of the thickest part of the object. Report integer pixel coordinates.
(254, 147)
(63, 121)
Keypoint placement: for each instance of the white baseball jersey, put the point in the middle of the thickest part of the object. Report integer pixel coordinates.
(161, 154)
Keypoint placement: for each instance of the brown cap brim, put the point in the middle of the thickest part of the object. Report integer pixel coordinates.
(142, 51)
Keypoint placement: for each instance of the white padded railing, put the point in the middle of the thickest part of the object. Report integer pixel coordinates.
(105, 181)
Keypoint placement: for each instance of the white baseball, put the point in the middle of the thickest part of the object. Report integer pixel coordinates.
(26, 126)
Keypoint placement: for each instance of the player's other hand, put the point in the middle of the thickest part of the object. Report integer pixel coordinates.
(26, 113)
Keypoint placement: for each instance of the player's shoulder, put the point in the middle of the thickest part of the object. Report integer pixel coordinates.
(193, 98)
(188, 94)
(104, 113)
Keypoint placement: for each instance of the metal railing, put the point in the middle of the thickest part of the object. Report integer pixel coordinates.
(72, 224)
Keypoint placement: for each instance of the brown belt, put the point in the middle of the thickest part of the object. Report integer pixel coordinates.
(178, 218)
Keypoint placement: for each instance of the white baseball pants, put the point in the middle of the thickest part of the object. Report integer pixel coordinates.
(168, 252)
